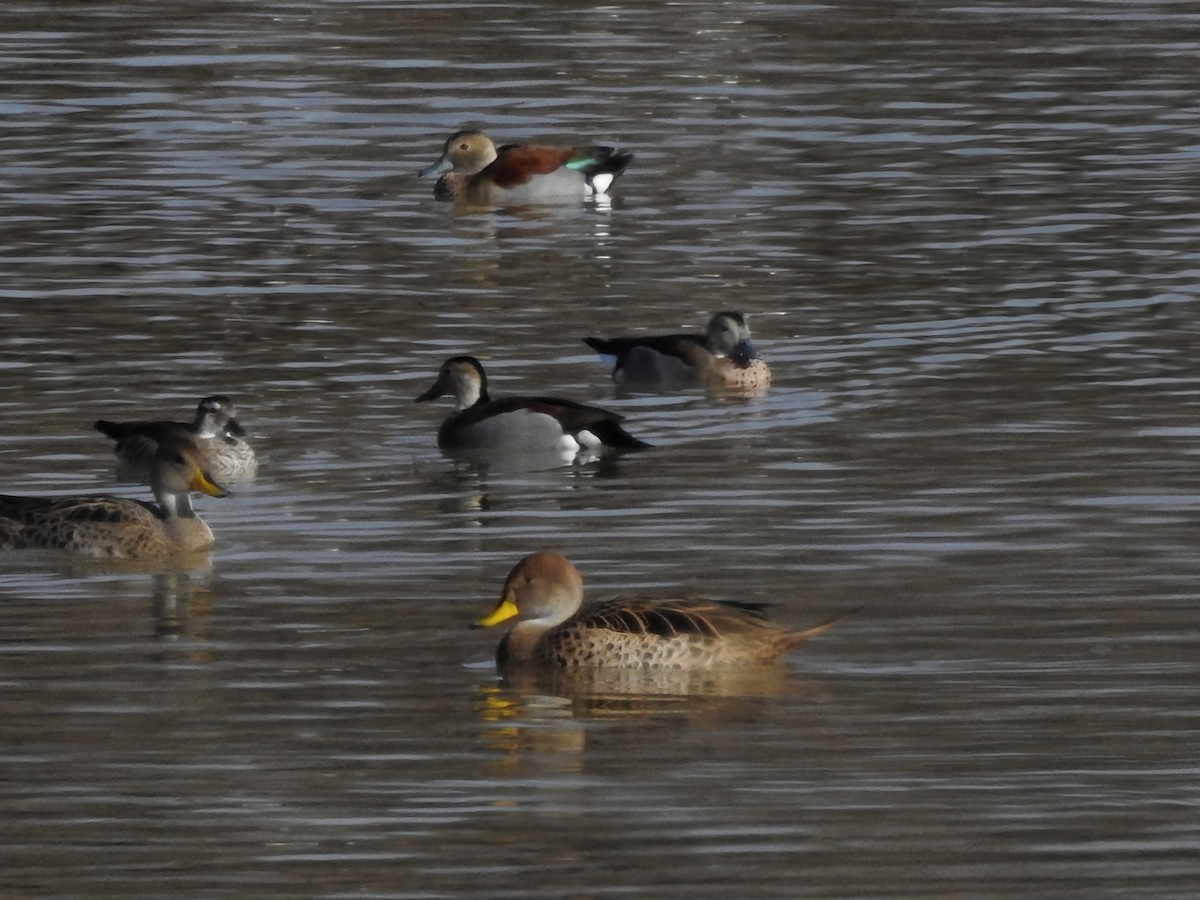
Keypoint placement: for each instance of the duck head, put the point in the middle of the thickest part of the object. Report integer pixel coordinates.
(461, 376)
(543, 587)
(466, 152)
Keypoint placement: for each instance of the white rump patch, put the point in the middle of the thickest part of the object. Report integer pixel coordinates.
(586, 439)
(602, 181)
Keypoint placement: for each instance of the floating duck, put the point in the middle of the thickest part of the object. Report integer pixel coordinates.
(473, 170)
(215, 430)
(723, 355)
(544, 593)
(116, 527)
(519, 424)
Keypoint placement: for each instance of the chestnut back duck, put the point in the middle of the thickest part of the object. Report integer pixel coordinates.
(473, 170)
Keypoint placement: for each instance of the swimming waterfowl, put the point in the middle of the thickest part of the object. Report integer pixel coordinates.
(215, 430)
(544, 592)
(528, 424)
(472, 169)
(723, 355)
(116, 527)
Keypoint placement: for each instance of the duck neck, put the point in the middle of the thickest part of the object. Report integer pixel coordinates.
(471, 392)
(207, 430)
(174, 506)
(520, 643)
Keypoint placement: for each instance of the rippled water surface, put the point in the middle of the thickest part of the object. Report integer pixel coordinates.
(966, 236)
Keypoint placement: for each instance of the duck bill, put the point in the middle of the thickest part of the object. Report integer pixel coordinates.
(505, 610)
(234, 427)
(439, 388)
(743, 353)
(437, 168)
(203, 483)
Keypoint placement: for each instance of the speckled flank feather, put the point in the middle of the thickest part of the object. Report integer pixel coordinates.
(632, 632)
(753, 374)
(545, 593)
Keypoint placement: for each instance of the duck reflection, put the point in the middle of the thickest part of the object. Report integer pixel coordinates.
(538, 721)
(177, 605)
(536, 731)
(607, 692)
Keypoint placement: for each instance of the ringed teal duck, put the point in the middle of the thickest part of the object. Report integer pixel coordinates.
(116, 527)
(519, 424)
(215, 430)
(473, 170)
(723, 355)
(544, 592)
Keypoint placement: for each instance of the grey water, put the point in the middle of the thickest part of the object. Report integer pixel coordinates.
(966, 238)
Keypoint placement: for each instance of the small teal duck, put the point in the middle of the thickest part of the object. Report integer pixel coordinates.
(554, 629)
(723, 355)
(215, 430)
(473, 170)
(116, 527)
(519, 424)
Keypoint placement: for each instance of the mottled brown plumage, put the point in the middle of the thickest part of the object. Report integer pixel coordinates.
(116, 527)
(545, 592)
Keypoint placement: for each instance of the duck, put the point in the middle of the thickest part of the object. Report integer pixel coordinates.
(473, 170)
(215, 430)
(519, 424)
(555, 630)
(107, 527)
(723, 355)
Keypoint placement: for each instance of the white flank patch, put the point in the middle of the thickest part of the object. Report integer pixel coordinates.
(602, 181)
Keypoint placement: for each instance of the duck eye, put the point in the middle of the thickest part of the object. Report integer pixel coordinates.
(464, 146)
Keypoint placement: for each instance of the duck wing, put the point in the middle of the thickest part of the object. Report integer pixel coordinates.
(684, 346)
(674, 617)
(573, 417)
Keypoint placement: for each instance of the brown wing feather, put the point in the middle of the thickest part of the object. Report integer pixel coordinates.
(49, 522)
(692, 617)
(30, 510)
